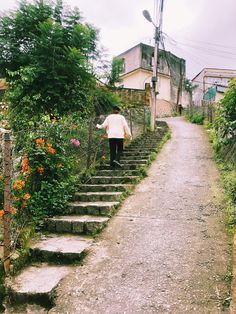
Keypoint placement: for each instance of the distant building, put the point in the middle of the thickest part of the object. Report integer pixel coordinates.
(138, 72)
(211, 84)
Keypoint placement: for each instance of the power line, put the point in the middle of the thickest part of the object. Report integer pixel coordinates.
(207, 50)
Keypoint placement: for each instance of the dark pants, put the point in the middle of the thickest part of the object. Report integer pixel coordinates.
(116, 149)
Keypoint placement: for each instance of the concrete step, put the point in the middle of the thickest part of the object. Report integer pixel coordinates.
(97, 196)
(77, 224)
(113, 179)
(105, 187)
(36, 284)
(139, 150)
(134, 157)
(93, 208)
(60, 248)
(116, 172)
(137, 153)
(125, 167)
(133, 161)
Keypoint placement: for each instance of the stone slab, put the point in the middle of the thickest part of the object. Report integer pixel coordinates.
(61, 249)
(36, 284)
(105, 187)
(86, 224)
(92, 208)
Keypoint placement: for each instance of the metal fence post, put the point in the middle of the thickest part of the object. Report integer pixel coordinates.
(90, 136)
(7, 201)
(130, 121)
(144, 120)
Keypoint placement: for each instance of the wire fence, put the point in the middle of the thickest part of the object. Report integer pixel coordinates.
(205, 108)
(79, 142)
(226, 136)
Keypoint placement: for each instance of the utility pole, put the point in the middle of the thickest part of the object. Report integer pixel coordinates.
(158, 28)
(180, 88)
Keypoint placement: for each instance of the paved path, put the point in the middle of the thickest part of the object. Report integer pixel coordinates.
(166, 249)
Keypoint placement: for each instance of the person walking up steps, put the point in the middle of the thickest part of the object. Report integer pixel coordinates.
(116, 128)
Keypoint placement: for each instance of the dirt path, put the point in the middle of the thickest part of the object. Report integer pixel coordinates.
(166, 249)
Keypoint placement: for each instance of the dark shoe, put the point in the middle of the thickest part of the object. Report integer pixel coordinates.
(115, 162)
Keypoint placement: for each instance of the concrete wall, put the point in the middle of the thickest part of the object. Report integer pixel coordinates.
(136, 79)
(163, 87)
(209, 77)
(132, 59)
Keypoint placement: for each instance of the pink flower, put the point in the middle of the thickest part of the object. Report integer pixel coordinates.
(75, 142)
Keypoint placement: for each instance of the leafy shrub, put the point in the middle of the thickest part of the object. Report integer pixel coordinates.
(197, 118)
(46, 177)
(230, 184)
(225, 122)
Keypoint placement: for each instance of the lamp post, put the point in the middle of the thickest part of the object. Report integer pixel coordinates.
(147, 16)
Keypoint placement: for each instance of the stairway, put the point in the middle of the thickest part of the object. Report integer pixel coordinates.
(69, 237)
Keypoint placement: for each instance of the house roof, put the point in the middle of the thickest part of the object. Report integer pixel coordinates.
(142, 69)
(144, 45)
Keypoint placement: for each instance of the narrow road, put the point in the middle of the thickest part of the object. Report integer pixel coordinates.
(166, 249)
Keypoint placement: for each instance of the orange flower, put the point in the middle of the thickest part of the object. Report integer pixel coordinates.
(18, 185)
(13, 210)
(49, 145)
(40, 170)
(25, 166)
(40, 142)
(51, 150)
(1, 214)
(26, 196)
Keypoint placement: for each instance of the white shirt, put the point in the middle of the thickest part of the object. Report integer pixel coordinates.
(116, 126)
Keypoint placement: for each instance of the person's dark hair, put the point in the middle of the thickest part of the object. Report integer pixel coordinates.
(116, 109)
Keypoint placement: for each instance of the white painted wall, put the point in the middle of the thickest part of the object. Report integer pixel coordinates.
(207, 78)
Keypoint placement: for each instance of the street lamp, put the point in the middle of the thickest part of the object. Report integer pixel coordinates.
(147, 16)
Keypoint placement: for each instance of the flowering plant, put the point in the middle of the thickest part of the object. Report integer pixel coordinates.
(75, 142)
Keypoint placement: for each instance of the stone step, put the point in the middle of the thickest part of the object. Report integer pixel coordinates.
(125, 167)
(113, 179)
(128, 153)
(134, 157)
(133, 161)
(36, 284)
(105, 187)
(93, 208)
(60, 248)
(144, 146)
(97, 196)
(116, 172)
(139, 150)
(86, 224)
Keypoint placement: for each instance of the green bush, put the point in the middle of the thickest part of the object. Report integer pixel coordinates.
(197, 118)
(47, 174)
(230, 184)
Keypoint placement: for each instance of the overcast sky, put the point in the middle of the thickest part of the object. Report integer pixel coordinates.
(202, 32)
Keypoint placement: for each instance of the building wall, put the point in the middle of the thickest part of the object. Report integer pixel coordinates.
(138, 71)
(209, 77)
(132, 59)
(136, 79)
(163, 87)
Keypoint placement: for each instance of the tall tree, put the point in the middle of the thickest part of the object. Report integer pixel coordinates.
(45, 55)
